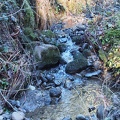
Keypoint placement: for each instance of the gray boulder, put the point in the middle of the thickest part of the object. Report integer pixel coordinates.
(46, 55)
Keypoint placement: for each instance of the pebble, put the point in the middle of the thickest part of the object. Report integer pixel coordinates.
(31, 87)
(50, 77)
(18, 115)
(80, 117)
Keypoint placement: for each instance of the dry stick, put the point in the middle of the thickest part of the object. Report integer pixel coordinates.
(7, 101)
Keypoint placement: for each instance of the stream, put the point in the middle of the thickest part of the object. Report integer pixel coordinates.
(77, 94)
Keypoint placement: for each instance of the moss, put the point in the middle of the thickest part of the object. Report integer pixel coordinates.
(29, 15)
(48, 34)
(29, 32)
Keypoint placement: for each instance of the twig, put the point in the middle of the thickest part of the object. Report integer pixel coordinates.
(6, 101)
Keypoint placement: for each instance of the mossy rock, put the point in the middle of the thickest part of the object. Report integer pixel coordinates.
(46, 55)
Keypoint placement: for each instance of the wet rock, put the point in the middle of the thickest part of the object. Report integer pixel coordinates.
(78, 82)
(93, 73)
(87, 53)
(55, 92)
(57, 82)
(76, 65)
(46, 55)
(35, 100)
(67, 118)
(79, 39)
(77, 54)
(62, 40)
(18, 115)
(68, 84)
(80, 117)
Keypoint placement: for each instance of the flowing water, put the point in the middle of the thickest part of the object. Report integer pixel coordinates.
(73, 102)
(84, 94)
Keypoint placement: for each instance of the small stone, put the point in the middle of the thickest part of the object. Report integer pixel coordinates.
(55, 92)
(80, 117)
(18, 115)
(57, 82)
(67, 118)
(31, 87)
(93, 73)
(91, 108)
(50, 77)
